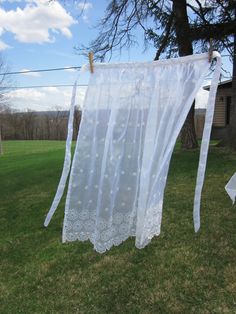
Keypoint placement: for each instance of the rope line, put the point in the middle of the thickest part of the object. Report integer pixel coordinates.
(40, 86)
(41, 70)
(54, 69)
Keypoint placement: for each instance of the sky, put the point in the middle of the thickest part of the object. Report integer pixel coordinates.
(36, 34)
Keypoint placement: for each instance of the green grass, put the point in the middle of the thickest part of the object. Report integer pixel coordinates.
(179, 272)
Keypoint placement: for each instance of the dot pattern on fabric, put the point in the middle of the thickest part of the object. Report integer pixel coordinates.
(132, 117)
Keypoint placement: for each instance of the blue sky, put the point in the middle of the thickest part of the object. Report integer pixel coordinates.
(35, 34)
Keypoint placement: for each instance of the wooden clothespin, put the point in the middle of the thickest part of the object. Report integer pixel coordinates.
(210, 50)
(90, 55)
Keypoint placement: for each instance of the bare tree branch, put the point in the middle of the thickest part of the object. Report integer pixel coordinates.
(155, 20)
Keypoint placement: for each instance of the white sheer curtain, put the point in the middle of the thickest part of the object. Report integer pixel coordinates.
(132, 116)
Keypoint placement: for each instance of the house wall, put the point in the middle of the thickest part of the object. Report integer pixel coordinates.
(219, 128)
(219, 133)
(199, 121)
(220, 107)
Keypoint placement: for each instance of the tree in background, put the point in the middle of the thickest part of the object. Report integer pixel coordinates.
(173, 27)
(77, 119)
(3, 110)
(4, 105)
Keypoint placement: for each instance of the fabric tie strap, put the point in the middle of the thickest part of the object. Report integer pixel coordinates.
(205, 141)
(67, 161)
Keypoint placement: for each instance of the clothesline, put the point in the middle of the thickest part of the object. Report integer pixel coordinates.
(42, 86)
(54, 69)
(41, 70)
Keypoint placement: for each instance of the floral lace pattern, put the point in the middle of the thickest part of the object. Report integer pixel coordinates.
(102, 233)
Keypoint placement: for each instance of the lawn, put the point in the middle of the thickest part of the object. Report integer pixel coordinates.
(179, 272)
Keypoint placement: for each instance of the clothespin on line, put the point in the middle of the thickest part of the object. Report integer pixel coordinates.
(210, 52)
(90, 55)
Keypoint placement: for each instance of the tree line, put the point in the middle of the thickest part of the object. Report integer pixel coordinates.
(33, 125)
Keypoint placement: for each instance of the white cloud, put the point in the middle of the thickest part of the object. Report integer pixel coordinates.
(51, 89)
(34, 74)
(84, 7)
(36, 22)
(24, 95)
(3, 45)
(47, 98)
(70, 70)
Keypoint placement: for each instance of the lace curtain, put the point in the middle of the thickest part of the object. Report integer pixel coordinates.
(131, 118)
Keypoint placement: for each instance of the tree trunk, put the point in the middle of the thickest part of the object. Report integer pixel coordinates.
(188, 134)
(230, 139)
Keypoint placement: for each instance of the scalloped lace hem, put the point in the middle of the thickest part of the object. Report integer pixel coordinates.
(105, 246)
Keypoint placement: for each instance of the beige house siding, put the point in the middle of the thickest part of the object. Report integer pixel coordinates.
(199, 125)
(220, 107)
(223, 112)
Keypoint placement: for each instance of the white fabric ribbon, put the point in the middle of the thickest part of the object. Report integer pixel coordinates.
(67, 161)
(231, 188)
(205, 141)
